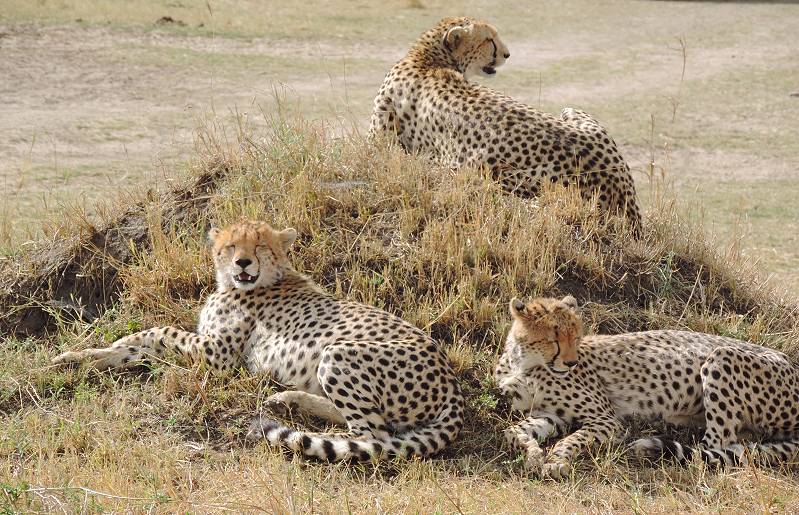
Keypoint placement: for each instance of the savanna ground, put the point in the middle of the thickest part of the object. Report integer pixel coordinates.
(99, 96)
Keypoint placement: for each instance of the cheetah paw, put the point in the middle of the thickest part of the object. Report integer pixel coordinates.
(97, 359)
(280, 404)
(556, 470)
(647, 448)
(535, 459)
(69, 358)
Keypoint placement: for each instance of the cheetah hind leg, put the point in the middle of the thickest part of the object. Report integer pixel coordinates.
(722, 391)
(383, 422)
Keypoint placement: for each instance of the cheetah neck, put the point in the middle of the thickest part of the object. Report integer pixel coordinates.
(293, 280)
(428, 54)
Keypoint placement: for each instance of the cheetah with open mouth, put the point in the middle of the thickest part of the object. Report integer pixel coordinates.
(349, 363)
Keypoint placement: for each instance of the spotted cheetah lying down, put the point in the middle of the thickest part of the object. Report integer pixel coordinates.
(429, 105)
(346, 362)
(558, 378)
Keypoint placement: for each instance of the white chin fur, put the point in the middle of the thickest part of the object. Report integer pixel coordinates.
(244, 285)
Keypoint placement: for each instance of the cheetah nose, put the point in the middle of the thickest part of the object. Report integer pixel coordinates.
(570, 363)
(507, 54)
(244, 262)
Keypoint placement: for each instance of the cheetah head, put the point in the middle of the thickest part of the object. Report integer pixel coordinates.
(547, 332)
(474, 45)
(249, 255)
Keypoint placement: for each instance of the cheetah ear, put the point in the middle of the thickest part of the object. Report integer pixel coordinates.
(454, 36)
(517, 307)
(212, 234)
(287, 237)
(571, 303)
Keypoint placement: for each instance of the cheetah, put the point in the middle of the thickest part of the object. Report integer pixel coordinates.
(348, 363)
(427, 103)
(558, 378)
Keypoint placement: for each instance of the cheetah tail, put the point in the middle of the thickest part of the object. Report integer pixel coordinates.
(424, 440)
(736, 455)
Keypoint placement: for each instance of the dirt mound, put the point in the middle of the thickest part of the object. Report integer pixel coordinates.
(78, 278)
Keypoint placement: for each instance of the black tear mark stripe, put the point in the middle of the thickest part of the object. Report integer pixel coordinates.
(557, 346)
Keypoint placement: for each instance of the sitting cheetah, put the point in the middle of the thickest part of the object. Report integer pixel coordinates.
(349, 363)
(557, 378)
(427, 101)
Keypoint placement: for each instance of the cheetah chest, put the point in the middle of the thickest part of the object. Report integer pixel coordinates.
(288, 358)
(269, 337)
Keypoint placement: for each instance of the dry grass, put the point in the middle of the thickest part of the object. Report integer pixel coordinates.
(443, 249)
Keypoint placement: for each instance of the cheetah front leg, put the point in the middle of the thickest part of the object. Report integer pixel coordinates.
(154, 343)
(516, 388)
(527, 436)
(558, 464)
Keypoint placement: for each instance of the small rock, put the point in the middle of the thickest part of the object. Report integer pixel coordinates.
(795, 94)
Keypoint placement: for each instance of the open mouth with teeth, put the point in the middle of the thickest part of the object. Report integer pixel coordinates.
(551, 366)
(489, 70)
(245, 278)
